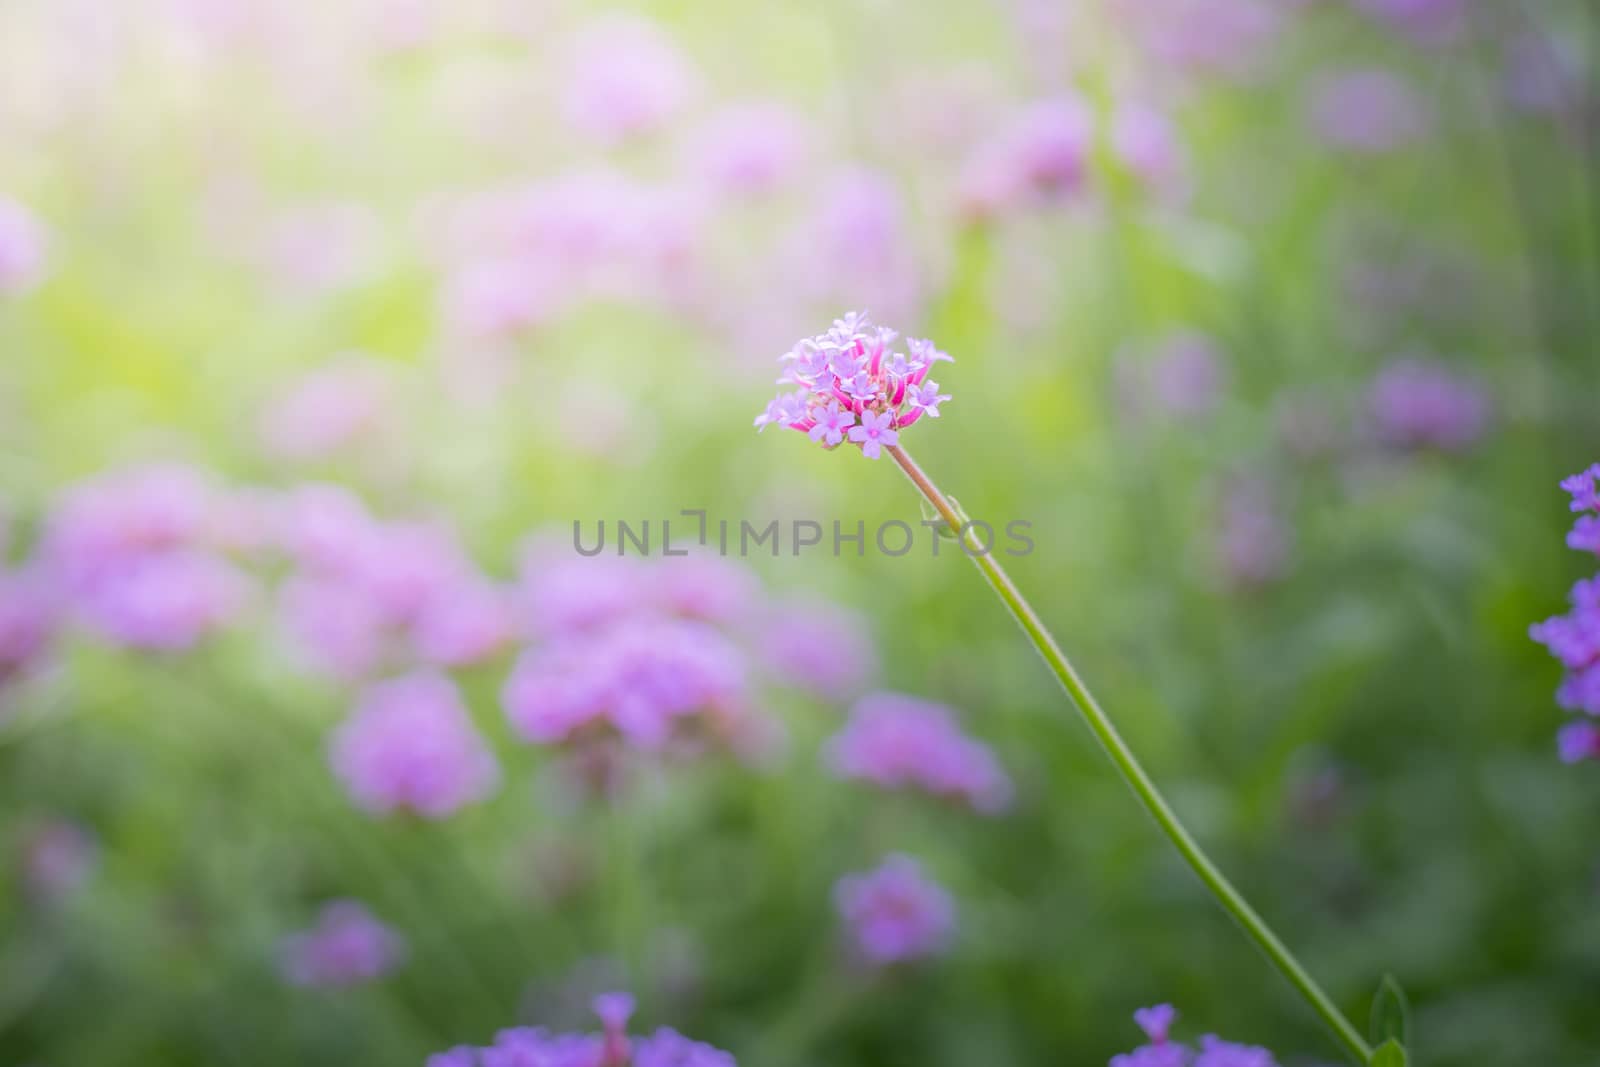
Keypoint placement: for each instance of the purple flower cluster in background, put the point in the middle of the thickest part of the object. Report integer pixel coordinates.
(895, 913)
(529, 1046)
(410, 745)
(896, 741)
(1421, 404)
(850, 385)
(1162, 1051)
(347, 945)
(1574, 638)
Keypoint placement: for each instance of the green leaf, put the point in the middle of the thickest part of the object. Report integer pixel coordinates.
(1390, 1054)
(1391, 1014)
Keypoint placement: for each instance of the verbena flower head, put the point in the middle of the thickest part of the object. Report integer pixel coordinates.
(410, 745)
(895, 913)
(1368, 111)
(625, 76)
(819, 647)
(851, 384)
(896, 741)
(530, 1046)
(1419, 404)
(650, 682)
(1574, 638)
(1162, 1051)
(347, 945)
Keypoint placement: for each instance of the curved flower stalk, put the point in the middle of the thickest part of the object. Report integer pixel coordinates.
(848, 376)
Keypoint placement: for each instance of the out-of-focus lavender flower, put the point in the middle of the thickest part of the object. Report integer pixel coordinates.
(853, 367)
(1425, 21)
(328, 409)
(1419, 404)
(166, 601)
(1367, 111)
(897, 741)
(368, 591)
(131, 554)
(1180, 377)
(1162, 1051)
(23, 245)
(857, 244)
(1578, 741)
(564, 593)
(701, 586)
(58, 857)
(750, 148)
(895, 913)
(410, 745)
(1146, 143)
(528, 1046)
(1544, 75)
(348, 945)
(27, 624)
(648, 681)
(1254, 540)
(1229, 38)
(625, 76)
(819, 647)
(1040, 154)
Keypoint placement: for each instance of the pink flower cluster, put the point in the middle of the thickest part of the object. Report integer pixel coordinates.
(895, 913)
(1420, 404)
(527, 1046)
(517, 258)
(1162, 1051)
(365, 593)
(58, 858)
(411, 746)
(639, 652)
(897, 741)
(348, 945)
(1574, 638)
(849, 384)
(137, 556)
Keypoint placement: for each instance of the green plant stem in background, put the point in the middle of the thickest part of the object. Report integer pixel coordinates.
(1132, 772)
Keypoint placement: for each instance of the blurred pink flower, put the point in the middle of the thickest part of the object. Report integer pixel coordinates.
(1146, 143)
(1254, 540)
(328, 409)
(624, 76)
(410, 745)
(1418, 404)
(896, 741)
(27, 624)
(895, 913)
(1425, 21)
(1040, 153)
(820, 647)
(750, 147)
(23, 247)
(1367, 111)
(348, 945)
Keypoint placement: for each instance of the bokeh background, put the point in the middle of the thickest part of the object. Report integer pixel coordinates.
(321, 323)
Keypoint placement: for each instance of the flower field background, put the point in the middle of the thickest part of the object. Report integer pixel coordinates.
(1277, 322)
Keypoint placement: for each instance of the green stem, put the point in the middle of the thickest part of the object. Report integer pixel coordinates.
(1132, 772)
